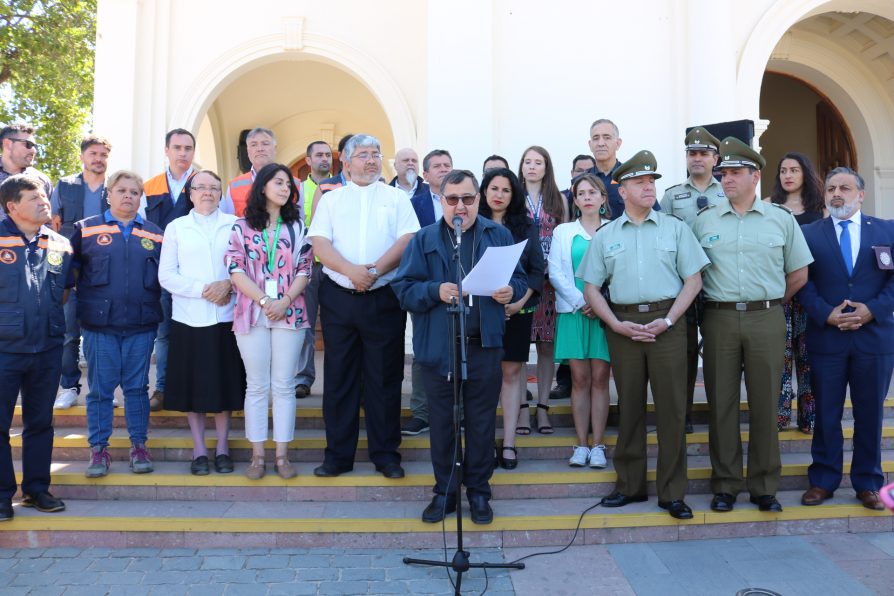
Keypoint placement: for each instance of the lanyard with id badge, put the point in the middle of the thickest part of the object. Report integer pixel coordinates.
(270, 288)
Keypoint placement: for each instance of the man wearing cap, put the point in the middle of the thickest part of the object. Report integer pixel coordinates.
(684, 200)
(758, 261)
(649, 296)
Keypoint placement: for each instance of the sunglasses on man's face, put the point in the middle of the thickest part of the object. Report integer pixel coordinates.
(453, 200)
(28, 144)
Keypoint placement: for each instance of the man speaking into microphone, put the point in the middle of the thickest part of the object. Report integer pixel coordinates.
(425, 285)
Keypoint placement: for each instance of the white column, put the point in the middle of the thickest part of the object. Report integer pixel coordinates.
(881, 204)
(459, 81)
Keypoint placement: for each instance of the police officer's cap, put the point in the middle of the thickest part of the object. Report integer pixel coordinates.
(736, 154)
(641, 164)
(699, 139)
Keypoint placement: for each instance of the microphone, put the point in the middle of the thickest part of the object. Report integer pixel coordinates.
(458, 229)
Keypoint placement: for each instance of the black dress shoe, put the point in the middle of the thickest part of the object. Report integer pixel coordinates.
(723, 502)
(199, 466)
(479, 507)
(43, 502)
(438, 509)
(392, 470)
(767, 503)
(617, 499)
(223, 464)
(327, 470)
(677, 509)
(6, 511)
(689, 429)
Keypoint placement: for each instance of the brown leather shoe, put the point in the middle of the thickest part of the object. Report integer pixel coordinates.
(870, 500)
(815, 496)
(157, 401)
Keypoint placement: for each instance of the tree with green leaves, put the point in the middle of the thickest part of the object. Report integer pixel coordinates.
(46, 74)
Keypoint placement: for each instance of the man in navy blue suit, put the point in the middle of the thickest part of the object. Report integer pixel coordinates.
(849, 297)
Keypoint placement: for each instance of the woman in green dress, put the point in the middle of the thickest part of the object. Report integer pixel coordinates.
(580, 338)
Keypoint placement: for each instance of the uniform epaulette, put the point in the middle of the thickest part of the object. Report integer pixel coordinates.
(673, 187)
(705, 208)
(674, 216)
(783, 207)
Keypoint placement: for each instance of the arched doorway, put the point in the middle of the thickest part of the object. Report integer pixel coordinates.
(803, 119)
(301, 102)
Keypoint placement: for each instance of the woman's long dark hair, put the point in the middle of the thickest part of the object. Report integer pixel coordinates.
(516, 218)
(553, 199)
(811, 190)
(256, 210)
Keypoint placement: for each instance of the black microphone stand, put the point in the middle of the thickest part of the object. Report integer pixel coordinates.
(459, 372)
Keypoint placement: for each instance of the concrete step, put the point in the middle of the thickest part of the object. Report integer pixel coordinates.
(396, 524)
(310, 414)
(543, 479)
(175, 444)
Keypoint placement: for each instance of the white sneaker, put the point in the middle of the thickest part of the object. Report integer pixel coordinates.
(66, 398)
(116, 403)
(579, 458)
(597, 457)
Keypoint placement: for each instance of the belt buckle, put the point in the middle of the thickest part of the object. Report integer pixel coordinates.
(766, 304)
(643, 308)
(741, 306)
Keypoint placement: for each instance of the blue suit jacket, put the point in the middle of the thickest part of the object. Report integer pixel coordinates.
(828, 285)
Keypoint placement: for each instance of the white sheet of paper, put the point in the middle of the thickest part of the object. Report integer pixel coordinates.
(493, 270)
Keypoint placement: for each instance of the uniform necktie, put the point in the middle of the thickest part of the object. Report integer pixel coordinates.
(845, 241)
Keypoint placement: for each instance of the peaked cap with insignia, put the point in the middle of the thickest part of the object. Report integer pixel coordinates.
(641, 164)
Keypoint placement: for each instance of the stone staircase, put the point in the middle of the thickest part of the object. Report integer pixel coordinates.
(539, 503)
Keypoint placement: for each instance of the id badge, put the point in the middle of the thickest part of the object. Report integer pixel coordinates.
(883, 257)
(270, 288)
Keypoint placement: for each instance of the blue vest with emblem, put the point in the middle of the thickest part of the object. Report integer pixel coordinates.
(31, 290)
(118, 289)
(71, 202)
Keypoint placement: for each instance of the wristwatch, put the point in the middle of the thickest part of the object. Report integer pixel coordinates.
(668, 322)
(373, 271)
(264, 300)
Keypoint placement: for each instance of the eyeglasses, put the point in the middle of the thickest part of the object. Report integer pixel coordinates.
(211, 189)
(701, 202)
(367, 156)
(453, 200)
(28, 144)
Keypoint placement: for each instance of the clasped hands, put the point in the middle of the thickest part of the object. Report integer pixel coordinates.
(643, 333)
(849, 321)
(218, 292)
(361, 277)
(448, 292)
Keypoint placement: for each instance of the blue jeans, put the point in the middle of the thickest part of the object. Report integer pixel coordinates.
(161, 342)
(114, 360)
(71, 372)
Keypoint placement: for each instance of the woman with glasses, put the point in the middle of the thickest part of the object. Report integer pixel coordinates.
(205, 372)
(504, 203)
(269, 262)
(799, 188)
(580, 338)
(548, 208)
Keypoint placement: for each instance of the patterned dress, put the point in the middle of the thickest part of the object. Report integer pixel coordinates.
(544, 326)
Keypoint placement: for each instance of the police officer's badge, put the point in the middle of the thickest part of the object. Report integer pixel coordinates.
(147, 244)
(54, 258)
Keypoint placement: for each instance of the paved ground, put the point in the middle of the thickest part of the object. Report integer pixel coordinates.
(852, 564)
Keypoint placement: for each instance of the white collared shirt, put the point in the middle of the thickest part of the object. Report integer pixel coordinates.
(363, 222)
(853, 230)
(439, 211)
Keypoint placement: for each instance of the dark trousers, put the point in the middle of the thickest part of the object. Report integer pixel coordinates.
(71, 371)
(481, 393)
(691, 361)
(868, 376)
(638, 365)
(364, 335)
(36, 376)
(754, 341)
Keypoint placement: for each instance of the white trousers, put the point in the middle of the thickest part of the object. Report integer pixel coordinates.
(271, 363)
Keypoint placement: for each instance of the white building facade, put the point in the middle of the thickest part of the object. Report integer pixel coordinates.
(478, 77)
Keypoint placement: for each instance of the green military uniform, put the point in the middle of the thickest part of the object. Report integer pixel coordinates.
(643, 288)
(751, 254)
(684, 200)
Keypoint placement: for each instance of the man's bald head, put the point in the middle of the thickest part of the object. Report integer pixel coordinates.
(406, 160)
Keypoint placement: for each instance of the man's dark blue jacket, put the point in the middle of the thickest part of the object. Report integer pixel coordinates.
(424, 267)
